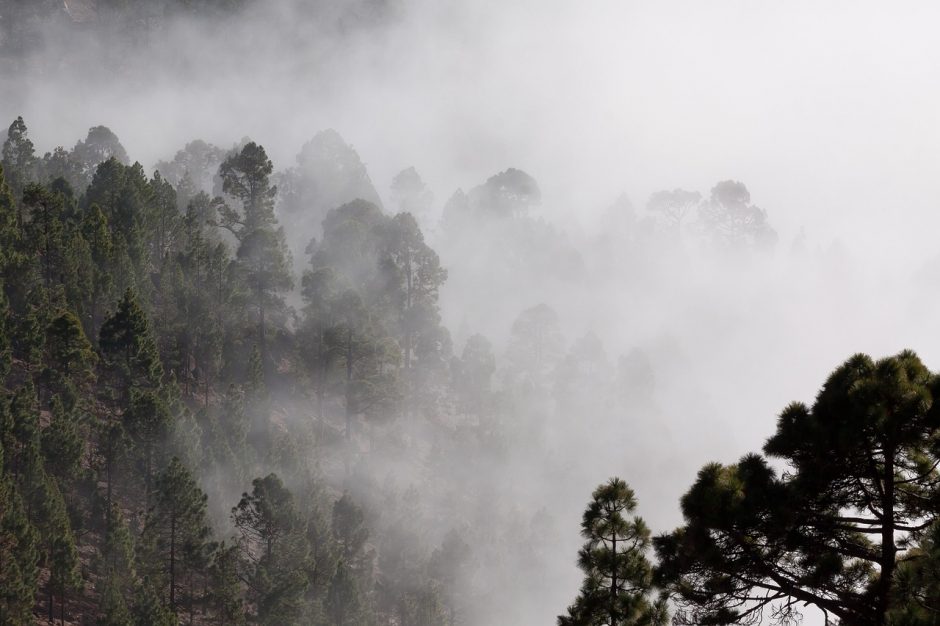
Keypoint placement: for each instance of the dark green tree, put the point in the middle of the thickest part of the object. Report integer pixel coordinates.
(858, 485)
(69, 357)
(62, 443)
(263, 258)
(46, 232)
(19, 553)
(115, 564)
(61, 551)
(412, 276)
(176, 527)
(98, 146)
(349, 530)
(148, 422)
(95, 232)
(129, 348)
(344, 599)
(274, 551)
(5, 343)
(149, 609)
(917, 598)
(225, 588)
(618, 576)
(112, 608)
(18, 157)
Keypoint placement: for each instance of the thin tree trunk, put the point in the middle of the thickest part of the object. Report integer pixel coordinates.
(613, 583)
(173, 563)
(888, 549)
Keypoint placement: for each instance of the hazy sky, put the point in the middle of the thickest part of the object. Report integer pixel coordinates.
(827, 111)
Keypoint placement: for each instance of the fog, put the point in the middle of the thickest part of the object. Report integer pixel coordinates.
(828, 113)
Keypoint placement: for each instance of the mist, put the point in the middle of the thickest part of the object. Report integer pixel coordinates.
(827, 113)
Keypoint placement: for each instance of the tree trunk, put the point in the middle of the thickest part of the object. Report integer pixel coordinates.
(173, 563)
(888, 549)
(613, 583)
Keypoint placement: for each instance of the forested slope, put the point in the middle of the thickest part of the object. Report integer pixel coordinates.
(176, 439)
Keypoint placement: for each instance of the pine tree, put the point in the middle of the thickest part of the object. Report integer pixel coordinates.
(274, 551)
(349, 530)
(99, 146)
(19, 554)
(62, 443)
(115, 563)
(263, 259)
(148, 423)
(225, 588)
(46, 231)
(344, 599)
(126, 198)
(18, 156)
(6, 351)
(164, 223)
(618, 576)
(14, 262)
(62, 554)
(113, 607)
(857, 486)
(69, 357)
(129, 347)
(175, 526)
(78, 276)
(95, 232)
(149, 610)
(246, 177)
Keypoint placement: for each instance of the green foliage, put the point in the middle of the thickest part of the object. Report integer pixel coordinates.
(349, 529)
(245, 177)
(149, 610)
(263, 260)
(95, 231)
(858, 486)
(618, 576)
(5, 343)
(148, 422)
(113, 608)
(274, 551)
(129, 347)
(62, 442)
(344, 600)
(18, 156)
(917, 597)
(176, 531)
(225, 589)
(131, 333)
(10, 224)
(100, 145)
(69, 357)
(19, 554)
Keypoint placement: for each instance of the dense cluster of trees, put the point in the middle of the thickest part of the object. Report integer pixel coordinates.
(841, 515)
(151, 370)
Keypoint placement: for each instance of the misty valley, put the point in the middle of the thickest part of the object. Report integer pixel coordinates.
(408, 313)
